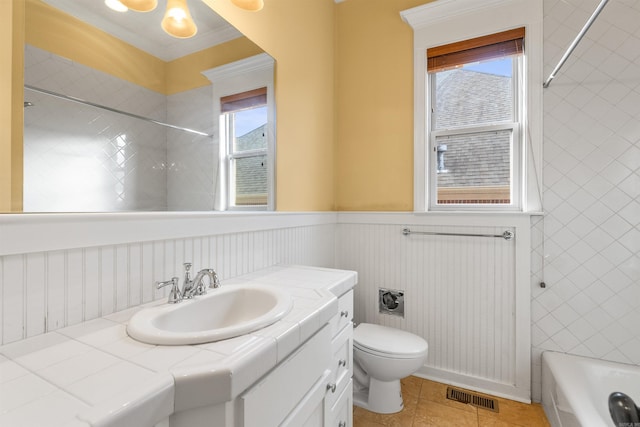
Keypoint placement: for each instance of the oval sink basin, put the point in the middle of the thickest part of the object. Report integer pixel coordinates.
(222, 313)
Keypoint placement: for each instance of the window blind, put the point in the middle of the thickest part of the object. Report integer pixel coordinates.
(244, 100)
(493, 46)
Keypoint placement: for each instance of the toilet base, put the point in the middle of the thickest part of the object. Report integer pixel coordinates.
(382, 397)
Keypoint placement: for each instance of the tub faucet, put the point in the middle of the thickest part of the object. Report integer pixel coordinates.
(196, 286)
(623, 410)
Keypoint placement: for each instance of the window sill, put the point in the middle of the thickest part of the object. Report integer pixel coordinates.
(480, 212)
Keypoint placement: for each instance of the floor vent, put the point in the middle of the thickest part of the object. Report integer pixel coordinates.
(472, 399)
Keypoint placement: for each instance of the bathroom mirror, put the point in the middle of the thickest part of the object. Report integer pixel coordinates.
(123, 121)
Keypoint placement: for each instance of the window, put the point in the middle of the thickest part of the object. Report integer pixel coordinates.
(475, 122)
(243, 99)
(244, 126)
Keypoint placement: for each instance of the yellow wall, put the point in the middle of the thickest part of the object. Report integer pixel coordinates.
(369, 119)
(186, 73)
(344, 82)
(374, 169)
(299, 34)
(49, 29)
(11, 99)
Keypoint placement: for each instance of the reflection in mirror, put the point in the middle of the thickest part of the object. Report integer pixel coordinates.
(244, 118)
(243, 99)
(81, 158)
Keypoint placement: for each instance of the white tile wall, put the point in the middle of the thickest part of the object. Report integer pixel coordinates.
(83, 159)
(106, 161)
(192, 160)
(591, 245)
(46, 291)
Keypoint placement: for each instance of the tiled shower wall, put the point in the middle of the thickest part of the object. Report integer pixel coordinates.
(105, 161)
(81, 158)
(192, 167)
(591, 228)
(45, 291)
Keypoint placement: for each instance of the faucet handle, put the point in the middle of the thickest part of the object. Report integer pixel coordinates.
(174, 295)
(187, 266)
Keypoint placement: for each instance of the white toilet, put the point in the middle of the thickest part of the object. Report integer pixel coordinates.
(382, 356)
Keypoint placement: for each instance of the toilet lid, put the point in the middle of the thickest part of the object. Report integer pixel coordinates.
(383, 340)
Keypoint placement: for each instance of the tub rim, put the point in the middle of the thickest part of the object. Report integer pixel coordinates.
(565, 371)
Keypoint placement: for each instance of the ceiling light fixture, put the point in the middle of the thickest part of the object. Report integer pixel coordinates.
(140, 5)
(252, 5)
(177, 20)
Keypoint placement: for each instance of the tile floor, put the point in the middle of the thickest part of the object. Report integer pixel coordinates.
(426, 405)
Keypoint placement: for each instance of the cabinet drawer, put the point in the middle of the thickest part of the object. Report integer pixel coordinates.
(342, 368)
(345, 313)
(342, 346)
(309, 411)
(341, 413)
(335, 389)
(270, 400)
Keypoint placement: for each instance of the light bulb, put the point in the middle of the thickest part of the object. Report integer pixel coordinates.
(252, 5)
(177, 20)
(116, 5)
(140, 5)
(176, 14)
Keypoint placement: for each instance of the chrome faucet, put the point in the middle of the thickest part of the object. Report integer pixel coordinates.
(198, 284)
(190, 288)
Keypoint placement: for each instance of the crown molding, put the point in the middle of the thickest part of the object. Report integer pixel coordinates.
(440, 10)
(243, 66)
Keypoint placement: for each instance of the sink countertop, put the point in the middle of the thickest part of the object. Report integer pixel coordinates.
(94, 374)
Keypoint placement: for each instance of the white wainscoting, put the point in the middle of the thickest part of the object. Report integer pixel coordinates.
(467, 296)
(57, 271)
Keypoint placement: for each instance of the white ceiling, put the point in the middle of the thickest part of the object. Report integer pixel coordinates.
(143, 30)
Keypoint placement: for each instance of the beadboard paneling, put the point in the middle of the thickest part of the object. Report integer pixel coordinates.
(460, 295)
(45, 291)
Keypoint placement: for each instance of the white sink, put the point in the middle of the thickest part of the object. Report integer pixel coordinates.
(222, 313)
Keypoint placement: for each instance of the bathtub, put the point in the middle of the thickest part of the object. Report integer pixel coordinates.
(575, 390)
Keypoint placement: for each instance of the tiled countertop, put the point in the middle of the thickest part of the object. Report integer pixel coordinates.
(93, 374)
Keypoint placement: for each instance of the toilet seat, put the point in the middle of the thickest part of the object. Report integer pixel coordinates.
(383, 341)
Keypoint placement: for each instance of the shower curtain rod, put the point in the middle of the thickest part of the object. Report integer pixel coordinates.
(113, 110)
(575, 42)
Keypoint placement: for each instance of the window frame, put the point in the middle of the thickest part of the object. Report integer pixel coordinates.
(228, 154)
(517, 140)
(245, 75)
(443, 21)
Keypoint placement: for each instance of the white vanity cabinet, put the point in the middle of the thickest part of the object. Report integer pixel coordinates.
(288, 389)
(320, 371)
(293, 373)
(311, 387)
